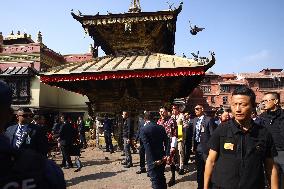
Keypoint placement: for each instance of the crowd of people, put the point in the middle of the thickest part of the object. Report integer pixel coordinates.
(236, 149)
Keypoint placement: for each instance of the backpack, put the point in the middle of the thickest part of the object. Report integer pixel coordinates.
(26, 170)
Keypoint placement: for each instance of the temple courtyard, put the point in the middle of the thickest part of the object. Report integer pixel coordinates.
(103, 170)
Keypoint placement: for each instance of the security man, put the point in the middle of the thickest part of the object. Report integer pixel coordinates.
(273, 120)
(25, 135)
(203, 127)
(154, 138)
(23, 168)
(240, 149)
(128, 133)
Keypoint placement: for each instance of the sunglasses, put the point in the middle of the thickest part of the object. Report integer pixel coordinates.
(197, 108)
(265, 101)
(25, 115)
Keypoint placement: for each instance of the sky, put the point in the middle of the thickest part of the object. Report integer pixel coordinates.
(246, 35)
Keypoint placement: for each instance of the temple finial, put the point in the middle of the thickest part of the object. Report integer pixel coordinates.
(39, 37)
(91, 48)
(1, 38)
(135, 6)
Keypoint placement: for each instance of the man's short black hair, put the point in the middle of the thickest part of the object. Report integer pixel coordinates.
(274, 94)
(25, 110)
(245, 90)
(165, 108)
(148, 115)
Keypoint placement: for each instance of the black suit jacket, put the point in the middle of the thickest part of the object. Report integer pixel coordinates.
(154, 138)
(209, 127)
(38, 141)
(67, 134)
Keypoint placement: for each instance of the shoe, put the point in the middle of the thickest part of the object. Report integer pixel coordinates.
(134, 151)
(106, 150)
(79, 169)
(148, 175)
(141, 171)
(111, 152)
(123, 163)
(123, 154)
(171, 182)
(128, 166)
(62, 165)
(177, 168)
(181, 172)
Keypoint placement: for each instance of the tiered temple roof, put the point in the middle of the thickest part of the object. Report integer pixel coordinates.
(140, 70)
(133, 32)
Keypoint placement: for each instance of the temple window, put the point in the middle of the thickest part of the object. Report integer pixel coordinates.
(225, 89)
(206, 89)
(225, 99)
(21, 90)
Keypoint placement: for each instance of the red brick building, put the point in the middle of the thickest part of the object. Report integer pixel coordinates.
(216, 89)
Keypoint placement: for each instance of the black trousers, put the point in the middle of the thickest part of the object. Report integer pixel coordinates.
(142, 155)
(83, 141)
(200, 166)
(108, 140)
(157, 176)
(66, 155)
(128, 157)
(187, 144)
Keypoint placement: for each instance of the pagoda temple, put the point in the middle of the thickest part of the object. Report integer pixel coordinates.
(140, 70)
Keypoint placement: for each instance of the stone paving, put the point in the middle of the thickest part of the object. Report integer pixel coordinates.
(103, 170)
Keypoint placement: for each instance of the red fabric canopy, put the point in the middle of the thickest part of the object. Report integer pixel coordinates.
(122, 75)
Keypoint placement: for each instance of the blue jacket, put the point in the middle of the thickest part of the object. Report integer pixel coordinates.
(34, 166)
(205, 134)
(154, 138)
(38, 140)
(107, 125)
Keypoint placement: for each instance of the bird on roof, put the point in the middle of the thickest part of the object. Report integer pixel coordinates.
(194, 30)
(79, 13)
(195, 55)
(170, 5)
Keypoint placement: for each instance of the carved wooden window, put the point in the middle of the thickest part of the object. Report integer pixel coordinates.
(271, 83)
(225, 89)
(14, 88)
(206, 89)
(21, 90)
(225, 99)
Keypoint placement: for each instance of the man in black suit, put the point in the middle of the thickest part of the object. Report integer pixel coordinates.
(154, 139)
(128, 133)
(108, 129)
(23, 168)
(141, 123)
(66, 137)
(203, 127)
(25, 135)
